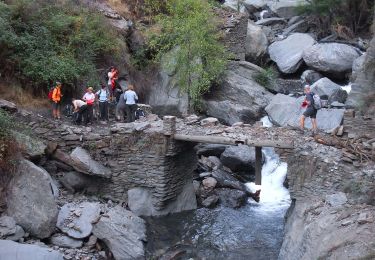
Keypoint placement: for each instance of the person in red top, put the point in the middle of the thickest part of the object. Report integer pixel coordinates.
(56, 100)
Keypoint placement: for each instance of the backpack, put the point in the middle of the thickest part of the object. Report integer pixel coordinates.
(50, 93)
(317, 102)
(139, 113)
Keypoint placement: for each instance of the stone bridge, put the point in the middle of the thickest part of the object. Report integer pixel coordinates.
(147, 168)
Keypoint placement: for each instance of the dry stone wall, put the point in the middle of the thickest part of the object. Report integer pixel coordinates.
(138, 155)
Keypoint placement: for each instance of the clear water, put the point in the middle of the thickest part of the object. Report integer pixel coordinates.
(254, 231)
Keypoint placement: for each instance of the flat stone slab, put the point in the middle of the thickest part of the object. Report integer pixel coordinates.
(76, 220)
(83, 162)
(12, 250)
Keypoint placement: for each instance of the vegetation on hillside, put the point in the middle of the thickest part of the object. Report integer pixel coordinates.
(43, 41)
(189, 43)
(346, 18)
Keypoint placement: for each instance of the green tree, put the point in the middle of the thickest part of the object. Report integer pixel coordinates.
(198, 56)
(43, 41)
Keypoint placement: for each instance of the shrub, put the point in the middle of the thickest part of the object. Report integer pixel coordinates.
(43, 41)
(189, 43)
(267, 77)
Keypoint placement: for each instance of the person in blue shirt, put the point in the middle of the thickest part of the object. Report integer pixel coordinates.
(103, 96)
(131, 99)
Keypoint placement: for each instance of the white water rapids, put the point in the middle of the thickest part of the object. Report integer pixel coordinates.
(274, 196)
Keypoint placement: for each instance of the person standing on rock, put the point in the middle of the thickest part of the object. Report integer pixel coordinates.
(131, 99)
(103, 97)
(310, 111)
(89, 98)
(56, 101)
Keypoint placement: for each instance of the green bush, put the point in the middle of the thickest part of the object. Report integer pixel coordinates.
(190, 44)
(44, 41)
(267, 77)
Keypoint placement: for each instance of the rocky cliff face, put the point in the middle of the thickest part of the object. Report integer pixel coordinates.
(333, 214)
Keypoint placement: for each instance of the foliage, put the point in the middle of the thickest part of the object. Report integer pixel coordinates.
(266, 77)
(44, 41)
(189, 43)
(344, 17)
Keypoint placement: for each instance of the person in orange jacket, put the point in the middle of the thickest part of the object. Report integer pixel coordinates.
(56, 100)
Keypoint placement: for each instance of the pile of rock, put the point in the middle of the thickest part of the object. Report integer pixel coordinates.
(221, 168)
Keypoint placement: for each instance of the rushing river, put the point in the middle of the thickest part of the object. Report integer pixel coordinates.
(254, 231)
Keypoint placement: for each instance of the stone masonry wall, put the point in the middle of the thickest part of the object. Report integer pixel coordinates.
(138, 154)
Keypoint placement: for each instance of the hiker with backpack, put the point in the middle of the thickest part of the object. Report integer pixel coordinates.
(89, 98)
(131, 99)
(103, 97)
(312, 104)
(55, 95)
(80, 111)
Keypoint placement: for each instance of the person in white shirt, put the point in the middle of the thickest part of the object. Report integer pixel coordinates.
(103, 97)
(131, 99)
(80, 110)
(89, 98)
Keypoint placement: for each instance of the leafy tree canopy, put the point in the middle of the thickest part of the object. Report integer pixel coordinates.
(44, 41)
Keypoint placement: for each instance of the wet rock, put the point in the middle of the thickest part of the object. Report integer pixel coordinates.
(239, 98)
(123, 232)
(333, 58)
(239, 158)
(13, 250)
(84, 163)
(8, 106)
(210, 149)
(209, 183)
(76, 219)
(288, 53)
(141, 202)
(286, 111)
(30, 200)
(231, 198)
(225, 180)
(256, 43)
(337, 199)
(65, 241)
(210, 201)
(310, 77)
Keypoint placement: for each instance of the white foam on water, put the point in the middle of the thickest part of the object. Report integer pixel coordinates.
(347, 88)
(266, 121)
(273, 196)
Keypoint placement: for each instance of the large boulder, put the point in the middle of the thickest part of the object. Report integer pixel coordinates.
(288, 53)
(231, 198)
(30, 200)
(12, 250)
(310, 77)
(239, 98)
(123, 232)
(33, 148)
(141, 202)
(82, 162)
(239, 158)
(333, 58)
(329, 90)
(256, 42)
(286, 111)
(225, 180)
(8, 106)
(285, 8)
(357, 67)
(76, 219)
(65, 241)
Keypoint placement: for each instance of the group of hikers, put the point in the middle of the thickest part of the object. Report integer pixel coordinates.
(126, 102)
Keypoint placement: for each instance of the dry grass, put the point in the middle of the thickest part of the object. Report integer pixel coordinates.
(122, 8)
(22, 98)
